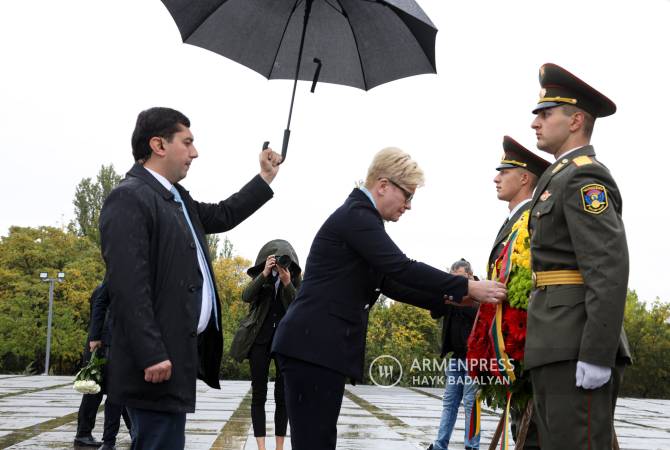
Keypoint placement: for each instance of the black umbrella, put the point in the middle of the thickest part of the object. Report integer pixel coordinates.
(359, 43)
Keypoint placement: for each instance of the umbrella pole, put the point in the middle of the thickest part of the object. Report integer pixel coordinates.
(287, 131)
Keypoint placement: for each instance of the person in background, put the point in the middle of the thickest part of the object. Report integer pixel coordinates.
(458, 386)
(274, 283)
(99, 339)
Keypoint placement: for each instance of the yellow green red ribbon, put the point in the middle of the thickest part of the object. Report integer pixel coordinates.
(475, 417)
(504, 438)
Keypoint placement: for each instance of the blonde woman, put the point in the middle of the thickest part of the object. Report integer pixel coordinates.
(320, 342)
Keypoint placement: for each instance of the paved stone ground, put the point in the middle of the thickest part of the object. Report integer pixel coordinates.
(41, 413)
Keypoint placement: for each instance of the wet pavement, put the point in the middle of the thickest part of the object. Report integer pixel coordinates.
(39, 412)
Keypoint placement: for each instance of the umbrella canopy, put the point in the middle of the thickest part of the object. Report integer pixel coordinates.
(361, 43)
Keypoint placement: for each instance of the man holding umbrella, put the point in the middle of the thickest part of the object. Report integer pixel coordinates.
(166, 316)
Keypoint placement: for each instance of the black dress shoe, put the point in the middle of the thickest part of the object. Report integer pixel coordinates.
(108, 447)
(87, 441)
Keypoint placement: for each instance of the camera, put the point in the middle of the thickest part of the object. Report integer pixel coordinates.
(283, 261)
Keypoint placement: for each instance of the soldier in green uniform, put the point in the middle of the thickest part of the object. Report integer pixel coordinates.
(514, 187)
(575, 346)
(517, 176)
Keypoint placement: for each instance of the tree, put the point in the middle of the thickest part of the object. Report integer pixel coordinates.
(227, 250)
(213, 241)
(24, 253)
(88, 200)
(212, 245)
(408, 334)
(648, 330)
(230, 275)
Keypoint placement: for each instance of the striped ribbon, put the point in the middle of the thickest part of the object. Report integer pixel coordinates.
(475, 417)
(504, 439)
(504, 365)
(503, 269)
(504, 261)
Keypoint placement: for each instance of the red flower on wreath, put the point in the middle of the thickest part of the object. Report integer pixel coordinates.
(480, 346)
(514, 331)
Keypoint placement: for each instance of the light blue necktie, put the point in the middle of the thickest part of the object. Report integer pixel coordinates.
(207, 277)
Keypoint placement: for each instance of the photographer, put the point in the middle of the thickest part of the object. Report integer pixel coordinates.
(276, 278)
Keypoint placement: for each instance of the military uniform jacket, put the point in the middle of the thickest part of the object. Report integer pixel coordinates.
(575, 223)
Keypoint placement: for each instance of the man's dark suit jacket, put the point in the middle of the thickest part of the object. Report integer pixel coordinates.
(352, 261)
(155, 286)
(98, 326)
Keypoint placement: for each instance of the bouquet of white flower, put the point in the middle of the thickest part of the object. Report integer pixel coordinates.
(88, 379)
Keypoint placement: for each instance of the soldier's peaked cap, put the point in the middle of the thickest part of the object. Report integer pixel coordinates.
(518, 156)
(560, 87)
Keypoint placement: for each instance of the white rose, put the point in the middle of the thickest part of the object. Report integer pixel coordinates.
(86, 387)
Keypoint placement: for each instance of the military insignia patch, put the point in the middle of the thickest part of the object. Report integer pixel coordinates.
(594, 198)
(545, 195)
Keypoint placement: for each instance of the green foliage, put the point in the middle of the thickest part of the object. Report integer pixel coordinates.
(408, 334)
(24, 300)
(212, 245)
(230, 274)
(227, 250)
(403, 331)
(648, 329)
(89, 197)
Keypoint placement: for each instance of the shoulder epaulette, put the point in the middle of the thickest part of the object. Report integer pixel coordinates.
(582, 161)
(559, 166)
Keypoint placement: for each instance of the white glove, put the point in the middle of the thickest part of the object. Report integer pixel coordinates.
(590, 376)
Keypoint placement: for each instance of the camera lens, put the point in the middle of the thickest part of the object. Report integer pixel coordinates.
(283, 261)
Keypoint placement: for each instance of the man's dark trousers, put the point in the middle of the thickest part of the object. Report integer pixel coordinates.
(88, 409)
(157, 430)
(569, 417)
(313, 397)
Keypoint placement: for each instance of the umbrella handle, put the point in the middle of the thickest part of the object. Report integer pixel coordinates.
(284, 147)
(316, 74)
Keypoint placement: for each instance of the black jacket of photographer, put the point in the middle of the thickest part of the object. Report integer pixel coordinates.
(259, 325)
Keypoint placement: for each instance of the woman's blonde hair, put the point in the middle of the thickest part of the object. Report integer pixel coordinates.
(396, 165)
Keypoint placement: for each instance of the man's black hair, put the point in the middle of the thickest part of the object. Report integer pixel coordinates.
(152, 122)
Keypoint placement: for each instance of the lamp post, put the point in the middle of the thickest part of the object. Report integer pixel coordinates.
(44, 276)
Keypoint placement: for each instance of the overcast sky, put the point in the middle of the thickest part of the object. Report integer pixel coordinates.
(75, 73)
